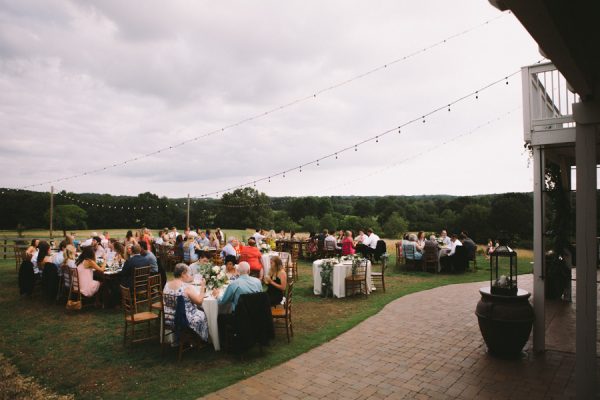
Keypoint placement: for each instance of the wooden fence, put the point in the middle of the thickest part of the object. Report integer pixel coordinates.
(7, 244)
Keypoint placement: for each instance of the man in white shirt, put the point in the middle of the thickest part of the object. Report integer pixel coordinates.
(229, 248)
(454, 242)
(59, 257)
(372, 239)
(258, 236)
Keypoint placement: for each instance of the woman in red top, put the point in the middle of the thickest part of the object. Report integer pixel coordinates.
(252, 255)
(348, 244)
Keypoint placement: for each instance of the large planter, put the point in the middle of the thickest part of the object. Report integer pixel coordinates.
(505, 322)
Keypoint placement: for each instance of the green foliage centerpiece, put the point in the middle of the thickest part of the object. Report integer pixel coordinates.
(214, 276)
(327, 276)
(356, 259)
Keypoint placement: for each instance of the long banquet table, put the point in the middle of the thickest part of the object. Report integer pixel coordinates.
(340, 272)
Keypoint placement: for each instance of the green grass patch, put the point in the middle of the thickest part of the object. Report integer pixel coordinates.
(82, 353)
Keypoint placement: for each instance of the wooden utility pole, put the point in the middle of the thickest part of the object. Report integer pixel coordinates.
(51, 209)
(187, 223)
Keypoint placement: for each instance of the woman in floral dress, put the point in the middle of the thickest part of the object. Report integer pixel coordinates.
(180, 286)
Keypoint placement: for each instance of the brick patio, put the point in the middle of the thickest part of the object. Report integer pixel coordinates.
(425, 345)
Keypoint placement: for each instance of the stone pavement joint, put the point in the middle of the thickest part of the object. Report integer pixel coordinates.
(425, 345)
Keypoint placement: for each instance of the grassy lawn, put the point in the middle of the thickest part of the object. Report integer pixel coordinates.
(82, 353)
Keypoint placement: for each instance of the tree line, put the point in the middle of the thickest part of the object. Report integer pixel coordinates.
(483, 217)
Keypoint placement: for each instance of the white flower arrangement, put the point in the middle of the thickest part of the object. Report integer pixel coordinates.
(264, 248)
(214, 276)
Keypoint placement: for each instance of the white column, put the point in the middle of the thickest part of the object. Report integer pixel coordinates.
(587, 116)
(539, 329)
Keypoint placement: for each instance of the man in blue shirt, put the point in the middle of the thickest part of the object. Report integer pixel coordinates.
(245, 284)
(133, 262)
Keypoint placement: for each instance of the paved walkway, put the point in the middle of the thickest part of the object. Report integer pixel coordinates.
(425, 345)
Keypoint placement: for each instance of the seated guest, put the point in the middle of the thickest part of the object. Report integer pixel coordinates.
(202, 260)
(69, 257)
(454, 242)
(409, 248)
(86, 264)
(173, 234)
(59, 256)
(129, 239)
(258, 236)
(281, 235)
(369, 243)
(43, 255)
(469, 245)
(329, 242)
(32, 250)
(420, 241)
(220, 236)
(180, 286)
(202, 240)
(178, 249)
(449, 261)
(270, 239)
(252, 255)
(360, 238)
(445, 239)
(276, 281)
(293, 236)
(98, 248)
(214, 242)
(134, 261)
(189, 250)
(230, 268)
(149, 257)
(229, 248)
(245, 284)
(348, 246)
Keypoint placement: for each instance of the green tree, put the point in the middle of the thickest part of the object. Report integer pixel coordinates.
(363, 207)
(394, 226)
(310, 224)
(244, 208)
(330, 222)
(474, 219)
(68, 216)
(281, 220)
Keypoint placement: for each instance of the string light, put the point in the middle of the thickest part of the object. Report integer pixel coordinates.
(272, 110)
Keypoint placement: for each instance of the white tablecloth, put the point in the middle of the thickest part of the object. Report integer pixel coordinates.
(340, 272)
(212, 309)
(266, 260)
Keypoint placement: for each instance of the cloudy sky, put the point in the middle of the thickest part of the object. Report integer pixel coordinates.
(89, 84)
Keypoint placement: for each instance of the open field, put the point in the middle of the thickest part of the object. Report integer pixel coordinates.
(82, 353)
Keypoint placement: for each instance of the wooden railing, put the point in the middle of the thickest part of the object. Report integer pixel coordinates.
(7, 244)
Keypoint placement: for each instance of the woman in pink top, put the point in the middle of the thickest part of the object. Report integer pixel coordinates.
(348, 244)
(86, 264)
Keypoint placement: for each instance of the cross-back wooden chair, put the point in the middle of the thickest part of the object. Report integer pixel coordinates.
(399, 255)
(282, 317)
(378, 277)
(133, 318)
(185, 336)
(140, 288)
(357, 282)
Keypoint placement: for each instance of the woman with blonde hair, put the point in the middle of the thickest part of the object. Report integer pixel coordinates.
(70, 254)
(214, 241)
(276, 281)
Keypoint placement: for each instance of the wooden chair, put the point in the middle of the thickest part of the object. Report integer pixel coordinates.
(282, 317)
(140, 288)
(74, 292)
(134, 318)
(409, 249)
(155, 297)
(399, 255)
(378, 278)
(187, 338)
(330, 250)
(19, 256)
(473, 259)
(64, 284)
(430, 257)
(294, 263)
(358, 280)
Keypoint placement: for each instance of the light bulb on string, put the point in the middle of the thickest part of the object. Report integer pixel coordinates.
(336, 157)
(423, 119)
(355, 148)
(477, 94)
(448, 107)
(376, 139)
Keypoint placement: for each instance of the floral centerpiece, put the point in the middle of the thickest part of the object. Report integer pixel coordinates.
(214, 276)
(264, 248)
(327, 276)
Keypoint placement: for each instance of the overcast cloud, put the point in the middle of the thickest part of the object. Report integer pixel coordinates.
(88, 84)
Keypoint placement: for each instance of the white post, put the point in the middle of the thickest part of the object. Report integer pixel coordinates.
(51, 209)
(187, 223)
(587, 116)
(539, 302)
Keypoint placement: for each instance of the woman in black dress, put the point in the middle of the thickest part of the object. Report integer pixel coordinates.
(276, 281)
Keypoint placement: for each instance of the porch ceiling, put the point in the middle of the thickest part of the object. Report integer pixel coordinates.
(567, 33)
